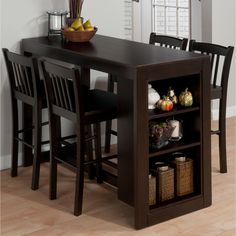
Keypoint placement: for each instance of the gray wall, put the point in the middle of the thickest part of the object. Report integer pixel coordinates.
(206, 20)
(223, 32)
(196, 20)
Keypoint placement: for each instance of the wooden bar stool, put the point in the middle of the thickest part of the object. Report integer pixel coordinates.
(26, 87)
(66, 98)
(155, 39)
(219, 87)
(168, 41)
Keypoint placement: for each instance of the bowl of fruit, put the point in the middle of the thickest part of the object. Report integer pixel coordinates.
(79, 31)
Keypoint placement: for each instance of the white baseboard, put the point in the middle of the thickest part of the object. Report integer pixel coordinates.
(5, 161)
(230, 112)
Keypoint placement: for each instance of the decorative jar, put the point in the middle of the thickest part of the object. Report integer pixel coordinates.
(56, 21)
(153, 97)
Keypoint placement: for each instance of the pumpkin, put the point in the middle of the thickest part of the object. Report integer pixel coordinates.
(172, 96)
(186, 98)
(158, 104)
(165, 104)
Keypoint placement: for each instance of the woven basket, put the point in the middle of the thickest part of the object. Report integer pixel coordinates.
(165, 184)
(183, 177)
(152, 190)
(79, 36)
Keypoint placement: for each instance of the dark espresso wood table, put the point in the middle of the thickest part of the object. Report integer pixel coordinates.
(137, 64)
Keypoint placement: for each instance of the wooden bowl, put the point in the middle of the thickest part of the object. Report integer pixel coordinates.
(79, 36)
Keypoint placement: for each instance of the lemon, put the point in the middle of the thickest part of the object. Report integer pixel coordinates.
(77, 23)
(87, 24)
(89, 29)
(70, 29)
(81, 28)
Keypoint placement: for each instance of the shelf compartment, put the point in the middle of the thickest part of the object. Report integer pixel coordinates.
(173, 201)
(175, 209)
(193, 153)
(156, 113)
(174, 147)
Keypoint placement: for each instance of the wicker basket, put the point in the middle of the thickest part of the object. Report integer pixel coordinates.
(165, 184)
(152, 190)
(79, 36)
(183, 176)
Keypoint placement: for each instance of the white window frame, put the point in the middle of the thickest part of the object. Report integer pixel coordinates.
(128, 15)
(177, 7)
(142, 22)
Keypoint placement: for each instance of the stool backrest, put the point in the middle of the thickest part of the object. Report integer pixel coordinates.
(23, 76)
(168, 41)
(63, 91)
(219, 55)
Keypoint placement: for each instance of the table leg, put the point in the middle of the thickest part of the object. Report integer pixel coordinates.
(125, 141)
(133, 164)
(141, 151)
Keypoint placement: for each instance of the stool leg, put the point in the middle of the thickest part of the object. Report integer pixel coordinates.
(14, 141)
(55, 134)
(79, 183)
(222, 137)
(89, 152)
(108, 136)
(98, 154)
(37, 145)
(53, 177)
(79, 188)
(27, 136)
(110, 88)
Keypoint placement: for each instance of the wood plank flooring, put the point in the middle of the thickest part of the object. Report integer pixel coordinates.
(27, 212)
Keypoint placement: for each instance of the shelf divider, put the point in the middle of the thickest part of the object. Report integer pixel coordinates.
(173, 147)
(154, 114)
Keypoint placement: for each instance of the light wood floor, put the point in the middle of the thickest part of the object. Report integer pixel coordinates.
(27, 212)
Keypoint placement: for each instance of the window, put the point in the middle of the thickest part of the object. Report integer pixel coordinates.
(171, 17)
(128, 19)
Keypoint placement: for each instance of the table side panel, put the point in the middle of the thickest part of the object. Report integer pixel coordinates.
(141, 148)
(125, 141)
(206, 132)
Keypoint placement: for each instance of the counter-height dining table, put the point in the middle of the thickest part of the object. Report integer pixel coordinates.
(136, 65)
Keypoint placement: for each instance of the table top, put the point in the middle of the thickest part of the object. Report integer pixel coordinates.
(106, 49)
